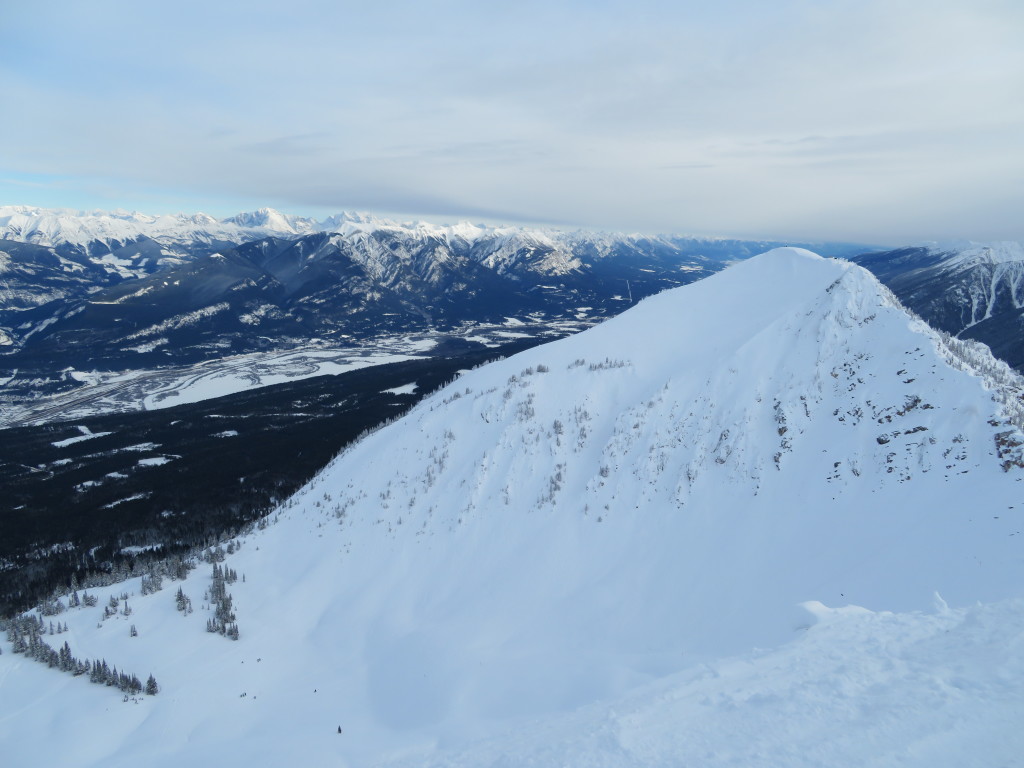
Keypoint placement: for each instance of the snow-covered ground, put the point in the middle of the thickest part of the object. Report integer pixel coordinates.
(115, 392)
(642, 545)
(163, 388)
(856, 688)
(87, 434)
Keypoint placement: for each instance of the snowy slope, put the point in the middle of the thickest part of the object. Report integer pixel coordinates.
(857, 689)
(573, 553)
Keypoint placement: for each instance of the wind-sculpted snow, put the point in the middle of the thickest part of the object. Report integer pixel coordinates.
(570, 557)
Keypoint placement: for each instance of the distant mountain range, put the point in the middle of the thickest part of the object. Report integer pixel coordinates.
(123, 291)
(120, 291)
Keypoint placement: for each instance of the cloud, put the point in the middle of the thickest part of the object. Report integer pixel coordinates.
(687, 166)
(307, 144)
(785, 119)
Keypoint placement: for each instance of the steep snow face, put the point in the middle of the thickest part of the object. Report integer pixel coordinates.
(586, 519)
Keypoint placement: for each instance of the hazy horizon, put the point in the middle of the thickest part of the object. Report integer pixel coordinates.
(875, 122)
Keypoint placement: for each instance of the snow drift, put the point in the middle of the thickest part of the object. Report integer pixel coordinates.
(597, 519)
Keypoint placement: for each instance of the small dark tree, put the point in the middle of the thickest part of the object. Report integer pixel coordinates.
(152, 689)
(183, 603)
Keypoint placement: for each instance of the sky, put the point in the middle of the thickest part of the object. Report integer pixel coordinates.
(874, 121)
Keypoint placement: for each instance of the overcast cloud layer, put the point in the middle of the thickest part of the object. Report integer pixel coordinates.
(878, 121)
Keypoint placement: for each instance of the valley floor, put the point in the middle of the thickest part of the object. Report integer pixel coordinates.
(150, 389)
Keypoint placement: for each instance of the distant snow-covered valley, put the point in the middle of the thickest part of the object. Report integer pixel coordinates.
(97, 392)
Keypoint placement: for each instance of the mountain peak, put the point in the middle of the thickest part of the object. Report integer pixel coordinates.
(667, 485)
(272, 220)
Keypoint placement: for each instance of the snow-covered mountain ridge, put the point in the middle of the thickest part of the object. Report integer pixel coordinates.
(605, 517)
(972, 290)
(155, 301)
(85, 229)
(95, 232)
(92, 229)
(50, 255)
(968, 252)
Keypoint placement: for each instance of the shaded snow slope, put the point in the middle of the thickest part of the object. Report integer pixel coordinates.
(608, 518)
